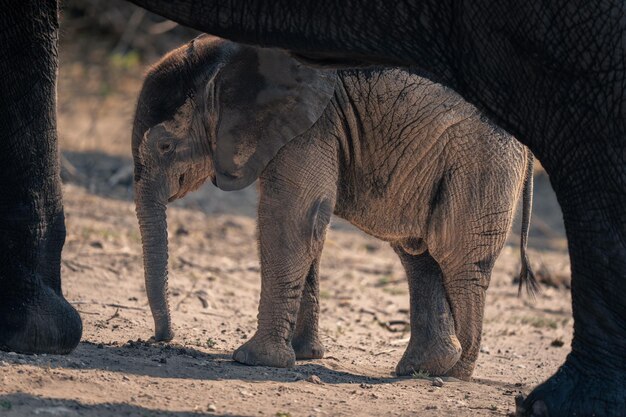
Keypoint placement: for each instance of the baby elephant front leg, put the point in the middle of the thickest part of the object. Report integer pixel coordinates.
(306, 342)
(290, 245)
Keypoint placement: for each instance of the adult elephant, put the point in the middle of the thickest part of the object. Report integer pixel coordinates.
(553, 73)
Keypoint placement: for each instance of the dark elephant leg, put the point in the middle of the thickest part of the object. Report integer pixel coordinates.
(306, 342)
(433, 346)
(592, 193)
(34, 316)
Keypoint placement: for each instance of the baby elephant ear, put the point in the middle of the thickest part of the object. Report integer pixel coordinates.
(263, 98)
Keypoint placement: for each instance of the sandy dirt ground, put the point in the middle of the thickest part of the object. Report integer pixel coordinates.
(214, 292)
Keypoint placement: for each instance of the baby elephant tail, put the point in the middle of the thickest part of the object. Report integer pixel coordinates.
(527, 276)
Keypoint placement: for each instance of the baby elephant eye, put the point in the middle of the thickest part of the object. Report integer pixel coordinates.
(165, 147)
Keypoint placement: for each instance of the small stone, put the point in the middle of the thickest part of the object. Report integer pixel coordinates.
(369, 247)
(438, 382)
(557, 343)
(181, 231)
(314, 379)
(100, 346)
(211, 408)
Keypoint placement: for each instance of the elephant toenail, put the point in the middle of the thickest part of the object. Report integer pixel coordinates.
(241, 356)
(540, 409)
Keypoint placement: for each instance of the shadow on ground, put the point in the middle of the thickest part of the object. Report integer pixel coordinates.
(28, 405)
(174, 361)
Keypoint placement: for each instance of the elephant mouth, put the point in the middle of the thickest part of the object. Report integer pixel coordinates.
(181, 191)
(184, 189)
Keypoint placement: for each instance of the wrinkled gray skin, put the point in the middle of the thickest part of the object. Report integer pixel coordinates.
(402, 158)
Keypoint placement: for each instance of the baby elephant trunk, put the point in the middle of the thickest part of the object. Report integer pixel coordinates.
(153, 228)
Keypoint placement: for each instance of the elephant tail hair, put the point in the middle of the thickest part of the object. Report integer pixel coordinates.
(527, 276)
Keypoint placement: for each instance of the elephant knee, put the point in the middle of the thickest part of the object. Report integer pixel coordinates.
(414, 246)
(318, 220)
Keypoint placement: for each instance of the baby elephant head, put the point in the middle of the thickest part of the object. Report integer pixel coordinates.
(212, 109)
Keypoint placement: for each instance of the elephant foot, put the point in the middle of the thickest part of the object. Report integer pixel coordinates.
(265, 352)
(577, 389)
(462, 370)
(34, 315)
(163, 333)
(308, 348)
(43, 323)
(436, 359)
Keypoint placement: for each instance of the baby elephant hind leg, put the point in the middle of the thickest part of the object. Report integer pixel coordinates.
(433, 346)
(466, 285)
(466, 276)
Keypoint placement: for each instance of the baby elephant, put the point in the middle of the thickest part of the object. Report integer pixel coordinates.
(402, 158)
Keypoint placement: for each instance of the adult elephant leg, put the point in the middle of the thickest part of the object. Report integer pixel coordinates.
(433, 346)
(34, 316)
(306, 342)
(592, 193)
